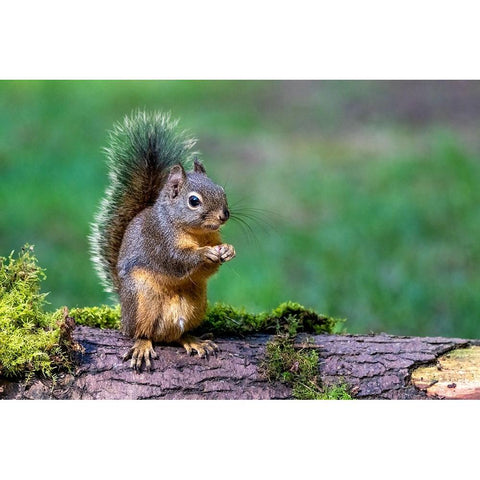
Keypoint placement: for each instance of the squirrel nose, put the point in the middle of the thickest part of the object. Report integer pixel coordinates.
(224, 216)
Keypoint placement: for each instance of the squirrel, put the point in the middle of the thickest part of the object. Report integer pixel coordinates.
(155, 239)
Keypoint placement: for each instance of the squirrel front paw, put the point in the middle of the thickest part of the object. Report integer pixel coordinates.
(203, 347)
(141, 350)
(220, 253)
(226, 251)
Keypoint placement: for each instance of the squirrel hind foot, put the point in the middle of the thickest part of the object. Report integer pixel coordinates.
(203, 348)
(142, 351)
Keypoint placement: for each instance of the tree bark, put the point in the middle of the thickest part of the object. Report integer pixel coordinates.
(381, 366)
(373, 366)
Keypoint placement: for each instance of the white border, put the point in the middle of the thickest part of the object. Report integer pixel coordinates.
(150, 39)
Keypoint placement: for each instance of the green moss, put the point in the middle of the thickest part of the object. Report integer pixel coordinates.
(224, 320)
(30, 338)
(100, 317)
(296, 318)
(335, 392)
(298, 367)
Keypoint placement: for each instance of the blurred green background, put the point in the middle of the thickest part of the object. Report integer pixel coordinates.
(369, 191)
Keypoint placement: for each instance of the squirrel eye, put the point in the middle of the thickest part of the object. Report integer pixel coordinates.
(194, 201)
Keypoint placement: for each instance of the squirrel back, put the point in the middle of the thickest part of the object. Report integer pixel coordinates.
(141, 151)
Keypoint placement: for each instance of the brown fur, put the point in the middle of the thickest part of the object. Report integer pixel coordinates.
(155, 240)
(168, 252)
(167, 306)
(194, 239)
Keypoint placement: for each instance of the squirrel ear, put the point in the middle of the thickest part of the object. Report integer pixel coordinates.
(198, 166)
(175, 180)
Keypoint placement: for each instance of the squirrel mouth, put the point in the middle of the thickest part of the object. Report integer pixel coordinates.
(211, 226)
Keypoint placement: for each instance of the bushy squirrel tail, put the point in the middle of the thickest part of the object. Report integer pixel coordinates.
(140, 153)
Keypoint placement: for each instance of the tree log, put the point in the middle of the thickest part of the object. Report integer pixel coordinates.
(392, 367)
(373, 366)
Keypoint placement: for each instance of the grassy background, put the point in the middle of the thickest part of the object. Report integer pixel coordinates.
(369, 191)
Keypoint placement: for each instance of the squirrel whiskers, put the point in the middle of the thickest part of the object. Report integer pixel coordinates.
(246, 216)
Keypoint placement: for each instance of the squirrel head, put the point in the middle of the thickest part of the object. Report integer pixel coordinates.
(193, 201)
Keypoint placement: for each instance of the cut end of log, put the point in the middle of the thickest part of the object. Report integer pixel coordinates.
(455, 375)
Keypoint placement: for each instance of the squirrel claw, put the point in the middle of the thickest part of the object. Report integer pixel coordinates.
(141, 351)
(220, 253)
(203, 348)
(226, 252)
